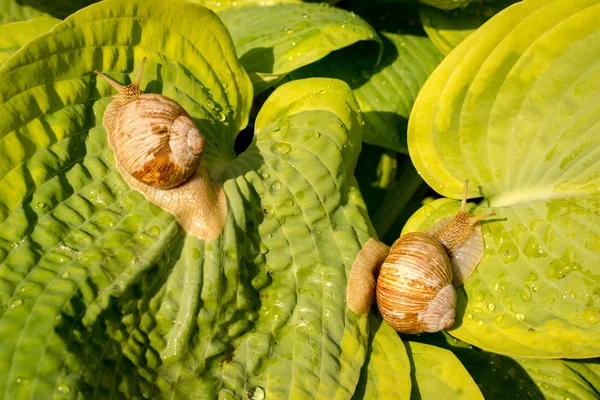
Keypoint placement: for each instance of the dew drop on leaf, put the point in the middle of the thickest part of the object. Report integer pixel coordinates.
(491, 306)
(276, 185)
(520, 317)
(16, 303)
(265, 175)
(282, 148)
(525, 293)
(499, 318)
(590, 314)
(316, 135)
(222, 117)
(64, 388)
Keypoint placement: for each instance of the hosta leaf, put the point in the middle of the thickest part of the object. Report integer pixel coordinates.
(437, 374)
(514, 108)
(447, 4)
(278, 39)
(523, 378)
(14, 36)
(13, 10)
(103, 295)
(386, 373)
(447, 29)
(219, 5)
(385, 92)
(59, 9)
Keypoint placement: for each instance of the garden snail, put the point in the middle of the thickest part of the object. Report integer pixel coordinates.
(158, 142)
(158, 151)
(414, 289)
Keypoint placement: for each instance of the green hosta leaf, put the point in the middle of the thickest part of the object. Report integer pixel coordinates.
(278, 39)
(447, 29)
(447, 4)
(219, 5)
(559, 379)
(12, 11)
(103, 295)
(386, 373)
(437, 374)
(523, 378)
(387, 92)
(59, 9)
(514, 108)
(14, 36)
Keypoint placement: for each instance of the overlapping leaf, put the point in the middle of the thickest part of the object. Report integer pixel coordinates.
(219, 5)
(447, 29)
(103, 295)
(272, 41)
(437, 374)
(14, 36)
(523, 378)
(515, 109)
(386, 373)
(385, 92)
(13, 11)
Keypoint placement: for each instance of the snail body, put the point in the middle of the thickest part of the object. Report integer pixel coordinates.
(157, 141)
(415, 283)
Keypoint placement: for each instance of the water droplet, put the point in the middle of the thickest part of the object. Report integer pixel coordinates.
(14, 245)
(316, 135)
(231, 253)
(480, 296)
(535, 289)
(222, 117)
(499, 318)
(573, 295)
(266, 175)
(289, 31)
(590, 314)
(41, 205)
(480, 323)
(469, 316)
(532, 277)
(257, 393)
(520, 317)
(491, 306)
(304, 16)
(525, 293)
(65, 275)
(154, 231)
(63, 388)
(289, 203)
(210, 104)
(16, 303)
(282, 148)
(276, 185)
(22, 381)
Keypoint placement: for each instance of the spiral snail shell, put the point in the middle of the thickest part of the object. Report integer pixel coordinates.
(157, 141)
(158, 151)
(415, 281)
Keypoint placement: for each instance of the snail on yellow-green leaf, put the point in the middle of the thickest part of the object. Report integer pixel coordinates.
(158, 151)
(414, 282)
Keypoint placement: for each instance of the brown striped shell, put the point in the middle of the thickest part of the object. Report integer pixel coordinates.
(157, 141)
(414, 289)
